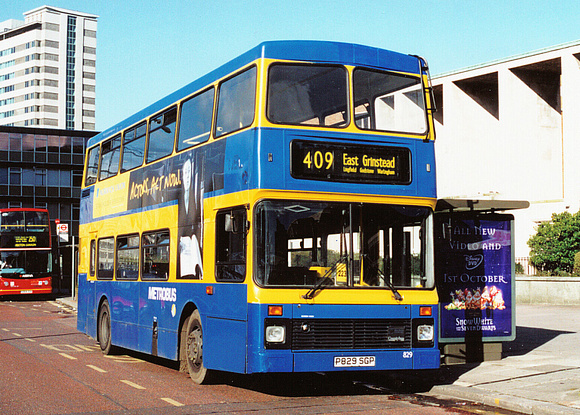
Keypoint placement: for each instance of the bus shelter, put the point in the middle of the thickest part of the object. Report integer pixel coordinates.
(475, 277)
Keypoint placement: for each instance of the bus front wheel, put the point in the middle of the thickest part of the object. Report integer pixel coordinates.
(194, 350)
(104, 325)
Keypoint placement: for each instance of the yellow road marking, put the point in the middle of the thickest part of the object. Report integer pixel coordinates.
(133, 385)
(30, 340)
(172, 402)
(98, 369)
(68, 356)
(17, 335)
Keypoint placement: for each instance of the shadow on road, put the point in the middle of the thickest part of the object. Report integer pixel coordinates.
(393, 382)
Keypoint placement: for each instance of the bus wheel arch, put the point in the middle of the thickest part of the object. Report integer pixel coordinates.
(104, 336)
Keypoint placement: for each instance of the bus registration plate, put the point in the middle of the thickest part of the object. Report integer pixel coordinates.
(354, 361)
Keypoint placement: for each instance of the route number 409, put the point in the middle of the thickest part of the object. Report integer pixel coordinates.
(320, 160)
(407, 355)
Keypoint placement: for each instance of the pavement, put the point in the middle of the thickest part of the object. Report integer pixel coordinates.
(539, 372)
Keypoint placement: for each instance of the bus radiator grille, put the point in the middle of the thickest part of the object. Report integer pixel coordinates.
(348, 334)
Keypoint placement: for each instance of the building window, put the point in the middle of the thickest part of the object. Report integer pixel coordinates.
(52, 26)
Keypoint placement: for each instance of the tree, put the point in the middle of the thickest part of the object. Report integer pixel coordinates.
(555, 243)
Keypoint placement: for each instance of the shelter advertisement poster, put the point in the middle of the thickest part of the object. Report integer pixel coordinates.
(474, 273)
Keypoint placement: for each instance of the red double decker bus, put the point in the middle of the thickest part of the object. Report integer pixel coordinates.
(25, 252)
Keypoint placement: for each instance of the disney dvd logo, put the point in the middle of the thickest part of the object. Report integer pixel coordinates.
(473, 261)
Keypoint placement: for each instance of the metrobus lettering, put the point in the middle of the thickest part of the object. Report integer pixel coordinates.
(162, 294)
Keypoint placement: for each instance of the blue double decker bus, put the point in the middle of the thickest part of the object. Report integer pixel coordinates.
(276, 215)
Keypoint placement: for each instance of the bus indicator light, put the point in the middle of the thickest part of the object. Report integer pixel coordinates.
(275, 310)
(209, 290)
(425, 311)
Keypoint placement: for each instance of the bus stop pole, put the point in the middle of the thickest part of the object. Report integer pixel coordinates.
(72, 258)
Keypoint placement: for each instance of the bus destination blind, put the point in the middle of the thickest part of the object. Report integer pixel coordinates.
(350, 163)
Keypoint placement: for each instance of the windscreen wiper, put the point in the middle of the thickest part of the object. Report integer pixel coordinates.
(397, 295)
(325, 280)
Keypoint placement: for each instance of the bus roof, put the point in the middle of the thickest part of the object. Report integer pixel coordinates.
(297, 50)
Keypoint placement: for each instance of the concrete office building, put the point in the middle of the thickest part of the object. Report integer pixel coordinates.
(510, 130)
(47, 69)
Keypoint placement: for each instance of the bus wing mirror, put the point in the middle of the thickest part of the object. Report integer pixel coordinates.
(235, 222)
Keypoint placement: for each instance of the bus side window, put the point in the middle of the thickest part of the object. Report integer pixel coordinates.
(92, 166)
(231, 245)
(127, 257)
(93, 254)
(134, 147)
(161, 135)
(236, 102)
(106, 258)
(110, 157)
(155, 254)
(195, 120)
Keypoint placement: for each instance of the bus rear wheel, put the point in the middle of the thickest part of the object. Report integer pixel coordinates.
(104, 328)
(194, 350)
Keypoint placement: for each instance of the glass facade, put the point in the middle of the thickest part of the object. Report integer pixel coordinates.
(43, 168)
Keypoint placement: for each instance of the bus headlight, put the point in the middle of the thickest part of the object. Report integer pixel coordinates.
(275, 334)
(425, 333)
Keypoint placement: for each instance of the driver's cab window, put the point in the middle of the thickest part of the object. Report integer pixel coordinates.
(231, 245)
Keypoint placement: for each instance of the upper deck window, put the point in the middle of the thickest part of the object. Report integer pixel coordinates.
(236, 102)
(20, 221)
(110, 157)
(92, 165)
(195, 120)
(308, 95)
(134, 147)
(386, 101)
(161, 135)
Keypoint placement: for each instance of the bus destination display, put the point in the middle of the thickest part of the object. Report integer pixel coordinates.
(350, 163)
(24, 241)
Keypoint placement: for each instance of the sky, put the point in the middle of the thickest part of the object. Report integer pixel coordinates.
(148, 49)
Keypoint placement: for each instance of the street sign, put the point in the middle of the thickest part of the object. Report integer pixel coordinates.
(62, 232)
